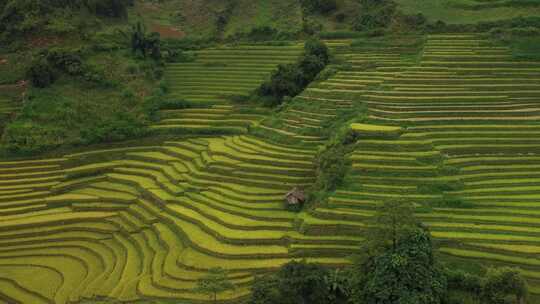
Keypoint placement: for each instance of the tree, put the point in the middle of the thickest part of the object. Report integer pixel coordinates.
(319, 6)
(265, 290)
(398, 264)
(285, 81)
(41, 74)
(302, 283)
(108, 8)
(375, 14)
(394, 220)
(406, 275)
(316, 47)
(291, 79)
(502, 282)
(214, 283)
(338, 288)
(141, 41)
(295, 283)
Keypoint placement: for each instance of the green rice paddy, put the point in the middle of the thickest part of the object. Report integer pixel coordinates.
(147, 222)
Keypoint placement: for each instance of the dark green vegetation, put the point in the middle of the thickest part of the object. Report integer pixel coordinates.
(84, 87)
(398, 264)
(214, 283)
(291, 79)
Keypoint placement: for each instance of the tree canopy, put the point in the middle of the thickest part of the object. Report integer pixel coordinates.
(295, 283)
(399, 266)
(214, 283)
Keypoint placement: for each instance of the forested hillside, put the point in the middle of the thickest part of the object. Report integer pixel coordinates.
(270, 152)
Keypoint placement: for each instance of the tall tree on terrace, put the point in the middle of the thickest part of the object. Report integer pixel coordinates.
(214, 283)
(398, 265)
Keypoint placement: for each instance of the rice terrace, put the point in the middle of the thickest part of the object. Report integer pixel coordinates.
(270, 151)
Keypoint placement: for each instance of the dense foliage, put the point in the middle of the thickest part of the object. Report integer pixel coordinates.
(374, 14)
(398, 264)
(319, 6)
(295, 283)
(214, 283)
(55, 16)
(291, 79)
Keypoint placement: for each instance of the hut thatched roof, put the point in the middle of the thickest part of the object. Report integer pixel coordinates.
(295, 196)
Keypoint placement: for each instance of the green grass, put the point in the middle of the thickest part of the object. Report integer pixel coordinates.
(455, 11)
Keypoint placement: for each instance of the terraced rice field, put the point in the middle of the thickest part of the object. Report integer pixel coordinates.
(309, 119)
(470, 115)
(147, 222)
(216, 76)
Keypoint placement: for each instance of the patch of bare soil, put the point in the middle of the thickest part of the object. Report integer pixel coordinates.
(167, 31)
(41, 41)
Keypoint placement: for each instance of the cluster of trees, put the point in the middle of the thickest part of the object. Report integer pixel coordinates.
(379, 14)
(291, 79)
(397, 265)
(319, 6)
(142, 42)
(49, 64)
(81, 95)
(374, 14)
(22, 17)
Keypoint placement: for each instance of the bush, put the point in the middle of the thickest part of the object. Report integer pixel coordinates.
(502, 282)
(25, 138)
(332, 164)
(41, 74)
(460, 280)
(262, 33)
(66, 61)
(108, 8)
(326, 74)
(341, 17)
(311, 27)
(120, 126)
(295, 282)
(414, 21)
(319, 6)
(375, 14)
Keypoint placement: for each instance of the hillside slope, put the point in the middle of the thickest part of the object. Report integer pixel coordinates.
(146, 222)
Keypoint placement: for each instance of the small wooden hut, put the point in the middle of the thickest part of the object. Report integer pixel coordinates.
(295, 197)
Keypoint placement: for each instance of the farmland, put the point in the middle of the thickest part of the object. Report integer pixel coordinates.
(373, 150)
(148, 221)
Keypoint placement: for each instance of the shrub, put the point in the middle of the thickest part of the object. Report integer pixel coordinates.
(25, 138)
(439, 187)
(341, 17)
(295, 282)
(332, 164)
(315, 47)
(66, 61)
(460, 280)
(262, 33)
(108, 8)
(287, 80)
(503, 282)
(319, 6)
(374, 14)
(326, 74)
(414, 21)
(311, 27)
(41, 74)
(120, 126)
